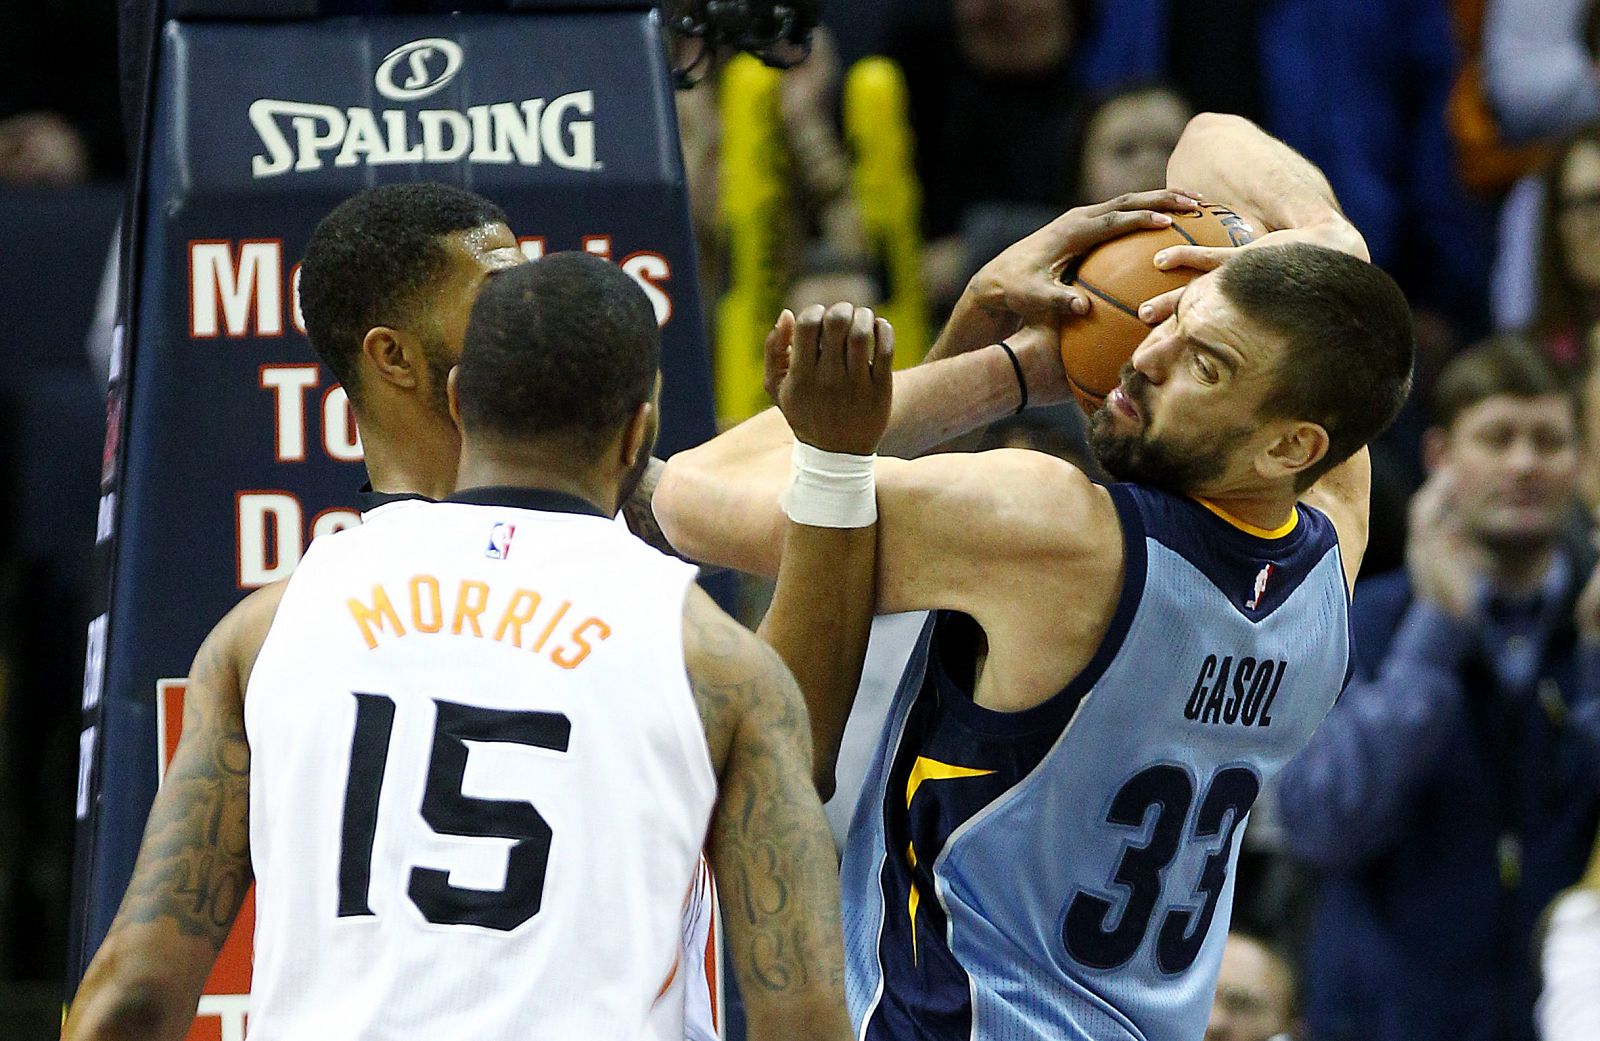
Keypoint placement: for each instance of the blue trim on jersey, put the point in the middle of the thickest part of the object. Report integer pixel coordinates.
(1235, 561)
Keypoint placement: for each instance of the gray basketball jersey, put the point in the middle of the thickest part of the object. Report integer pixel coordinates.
(1066, 872)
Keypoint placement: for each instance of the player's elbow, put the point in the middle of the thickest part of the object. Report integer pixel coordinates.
(1206, 127)
(127, 1009)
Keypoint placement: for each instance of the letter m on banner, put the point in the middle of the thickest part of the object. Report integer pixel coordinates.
(225, 1002)
(236, 294)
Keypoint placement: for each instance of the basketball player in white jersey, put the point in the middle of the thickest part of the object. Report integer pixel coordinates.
(482, 739)
(388, 283)
(1044, 845)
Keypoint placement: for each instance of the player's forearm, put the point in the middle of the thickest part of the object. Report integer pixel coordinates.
(937, 401)
(124, 998)
(775, 861)
(1236, 163)
(819, 622)
(718, 503)
(971, 326)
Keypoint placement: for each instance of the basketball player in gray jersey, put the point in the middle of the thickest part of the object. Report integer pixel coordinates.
(1045, 841)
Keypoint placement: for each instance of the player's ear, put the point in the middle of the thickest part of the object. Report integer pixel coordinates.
(636, 435)
(451, 396)
(1299, 446)
(385, 351)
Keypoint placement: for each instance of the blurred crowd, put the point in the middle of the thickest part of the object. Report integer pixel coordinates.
(1429, 867)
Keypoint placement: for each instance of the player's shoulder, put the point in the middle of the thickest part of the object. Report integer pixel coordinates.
(235, 642)
(1040, 502)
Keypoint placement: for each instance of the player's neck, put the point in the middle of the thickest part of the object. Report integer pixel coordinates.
(1261, 513)
(418, 459)
(528, 467)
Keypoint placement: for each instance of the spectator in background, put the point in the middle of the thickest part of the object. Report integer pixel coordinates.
(1256, 996)
(1455, 788)
(1117, 142)
(1541, 84)
(58, 126)
(823, 232)
(1539, 66)
(1569, 253)
(1569, 1008)
(992, 94)
(1127, 139)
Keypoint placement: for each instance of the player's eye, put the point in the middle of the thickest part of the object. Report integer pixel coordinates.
(1204, 368)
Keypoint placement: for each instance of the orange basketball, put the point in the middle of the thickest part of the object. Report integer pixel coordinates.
(1119, 276)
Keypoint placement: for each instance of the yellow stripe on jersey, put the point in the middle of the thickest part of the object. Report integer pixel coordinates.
(925, 769)
(1250, 529)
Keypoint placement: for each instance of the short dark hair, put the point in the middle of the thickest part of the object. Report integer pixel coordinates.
(1347, 330)
(368, 259)
(563, 349)
(1510, 363)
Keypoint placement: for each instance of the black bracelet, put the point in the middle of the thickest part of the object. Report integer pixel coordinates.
(1016, 366)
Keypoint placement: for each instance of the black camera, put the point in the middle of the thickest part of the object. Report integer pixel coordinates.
(776, 31)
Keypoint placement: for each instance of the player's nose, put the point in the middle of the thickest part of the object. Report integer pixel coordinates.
(1153, 358)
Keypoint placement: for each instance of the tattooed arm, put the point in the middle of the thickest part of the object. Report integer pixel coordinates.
(194, 864)
(771, 849)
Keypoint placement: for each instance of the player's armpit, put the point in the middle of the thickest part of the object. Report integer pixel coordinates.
(193, 868)
(1345, 495)
(771, 849)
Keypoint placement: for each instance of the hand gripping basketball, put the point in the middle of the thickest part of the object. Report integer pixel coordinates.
(1025, 280)
(831, 374)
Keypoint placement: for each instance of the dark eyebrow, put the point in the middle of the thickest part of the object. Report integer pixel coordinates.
(1223, 356)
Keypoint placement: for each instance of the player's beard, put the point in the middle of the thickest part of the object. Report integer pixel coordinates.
(635, 474)
(439, 361)
(1156, 463)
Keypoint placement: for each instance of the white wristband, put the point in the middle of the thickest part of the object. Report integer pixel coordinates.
(830, 489)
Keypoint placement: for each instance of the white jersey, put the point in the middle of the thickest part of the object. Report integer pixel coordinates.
(479, 784)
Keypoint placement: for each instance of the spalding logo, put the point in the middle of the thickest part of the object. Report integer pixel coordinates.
(301, 136)
(420, 80)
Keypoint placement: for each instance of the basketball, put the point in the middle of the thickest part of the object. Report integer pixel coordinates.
(1119, 276)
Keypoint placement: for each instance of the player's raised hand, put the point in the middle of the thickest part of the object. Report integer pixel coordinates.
(1024, 281)
(830, 371)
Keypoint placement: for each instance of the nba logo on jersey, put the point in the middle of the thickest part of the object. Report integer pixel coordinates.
(1262, 578)
(500, 541)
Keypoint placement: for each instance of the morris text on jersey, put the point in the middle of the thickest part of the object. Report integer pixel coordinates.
(545, 625)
